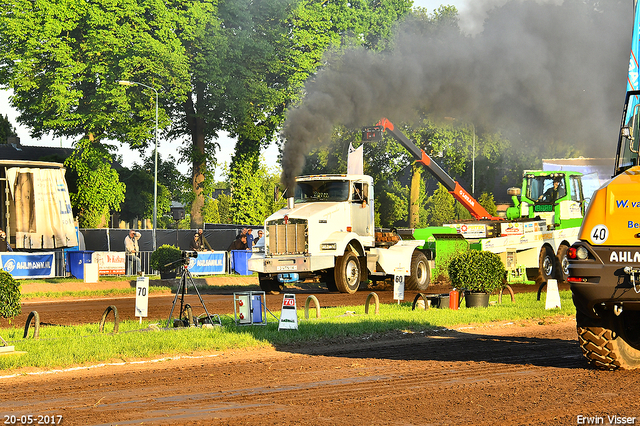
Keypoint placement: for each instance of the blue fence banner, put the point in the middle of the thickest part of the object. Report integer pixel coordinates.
(208, 263)
(29, 265)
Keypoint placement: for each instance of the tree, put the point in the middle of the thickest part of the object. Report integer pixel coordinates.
(138, 201)
(63, 60)
(440, 207)
(6, 129)
(286, 42)
(98, 189)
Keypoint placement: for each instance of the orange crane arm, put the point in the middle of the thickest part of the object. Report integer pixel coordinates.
(454, 188)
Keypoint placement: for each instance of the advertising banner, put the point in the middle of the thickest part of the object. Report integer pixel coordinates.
(28, 265)
(109, 262)
(207, 263)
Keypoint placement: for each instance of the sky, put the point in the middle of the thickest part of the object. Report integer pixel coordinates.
(165, 148)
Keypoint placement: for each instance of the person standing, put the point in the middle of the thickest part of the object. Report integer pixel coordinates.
(260, 233)
(132, 253)
(196, 243)
(249, 239)
(203, 241)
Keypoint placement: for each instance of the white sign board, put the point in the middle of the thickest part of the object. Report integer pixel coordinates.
(398, 284)
(142, 296)
(109, 262)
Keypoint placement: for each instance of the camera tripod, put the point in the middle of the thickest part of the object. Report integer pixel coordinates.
(182, 289)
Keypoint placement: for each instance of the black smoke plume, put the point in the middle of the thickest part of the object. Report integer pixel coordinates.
(549, 70)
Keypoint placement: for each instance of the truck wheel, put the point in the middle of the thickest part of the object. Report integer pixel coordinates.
(547, 265)
(347, 273)
(608, 347)
(563, 264)
(420, 275)
(329, 279)
(269, 284)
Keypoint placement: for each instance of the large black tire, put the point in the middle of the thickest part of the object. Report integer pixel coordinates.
(270, 284)
(329, 279)
(610, 346)
(547, 265)
(347, 273)
(562, 270)
(420, 274)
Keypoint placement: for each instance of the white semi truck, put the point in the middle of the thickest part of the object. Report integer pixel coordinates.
(327, 229)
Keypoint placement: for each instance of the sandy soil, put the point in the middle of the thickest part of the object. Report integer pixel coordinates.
(524, 373)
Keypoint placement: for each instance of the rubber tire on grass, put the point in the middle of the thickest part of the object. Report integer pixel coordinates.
(547, 265)
(269, 284)
(420, 274)
(605, 346)
(562, 271)
(347, 273)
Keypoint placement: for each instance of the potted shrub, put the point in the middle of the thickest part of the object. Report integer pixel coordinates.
(164, 255)
(478, 273)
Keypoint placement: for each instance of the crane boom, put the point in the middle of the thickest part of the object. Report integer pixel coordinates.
(454, 188)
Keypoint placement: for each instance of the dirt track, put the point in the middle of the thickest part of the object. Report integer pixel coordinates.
(505, 374)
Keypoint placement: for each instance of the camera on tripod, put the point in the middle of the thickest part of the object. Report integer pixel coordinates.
(189, 253)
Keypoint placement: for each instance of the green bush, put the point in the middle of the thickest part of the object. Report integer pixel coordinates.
(164, 255)
(480, 271)
(9, 296)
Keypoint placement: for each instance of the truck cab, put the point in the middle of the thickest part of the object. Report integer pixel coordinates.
(557, 197)
(327, 229)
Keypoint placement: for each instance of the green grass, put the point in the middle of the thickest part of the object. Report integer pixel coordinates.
(89, 293)
(60, 346)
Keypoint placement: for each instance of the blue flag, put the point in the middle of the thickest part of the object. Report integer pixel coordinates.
(632, 80)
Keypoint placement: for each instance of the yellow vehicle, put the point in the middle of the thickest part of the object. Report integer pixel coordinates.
(604, 265)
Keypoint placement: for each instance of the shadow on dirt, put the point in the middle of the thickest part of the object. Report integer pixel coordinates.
(449, 345)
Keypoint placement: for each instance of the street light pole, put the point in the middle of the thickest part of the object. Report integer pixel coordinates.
(473, 162)
(155, 178)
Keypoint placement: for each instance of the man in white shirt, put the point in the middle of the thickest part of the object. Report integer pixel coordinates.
(132, 251)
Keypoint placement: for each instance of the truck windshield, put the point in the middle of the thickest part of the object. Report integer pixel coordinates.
(334, 190)
(628, 140)
(543, 189)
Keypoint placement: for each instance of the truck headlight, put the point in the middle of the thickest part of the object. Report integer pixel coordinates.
(328, 246)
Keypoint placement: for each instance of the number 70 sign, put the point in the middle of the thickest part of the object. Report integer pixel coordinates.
(142, 296)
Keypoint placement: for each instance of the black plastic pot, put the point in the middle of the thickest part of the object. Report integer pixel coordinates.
(476, 299)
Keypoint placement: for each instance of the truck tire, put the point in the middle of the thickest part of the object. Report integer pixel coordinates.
(329, 279)
(270, 284)
(420, 274)
(608, 347)
(563, 264)
(347, 273)
(547, 265)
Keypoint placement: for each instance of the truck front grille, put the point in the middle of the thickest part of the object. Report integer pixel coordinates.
(287, 239)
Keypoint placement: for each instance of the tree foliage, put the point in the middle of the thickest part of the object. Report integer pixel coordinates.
(9, 296)
(6, 129)
(248, 203)
(138, 201)
(99, 190)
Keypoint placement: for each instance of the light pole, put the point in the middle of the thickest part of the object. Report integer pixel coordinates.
(155, 178)
(473, 162)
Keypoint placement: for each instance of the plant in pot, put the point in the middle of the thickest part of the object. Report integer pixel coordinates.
(165, 255)
(478, 273)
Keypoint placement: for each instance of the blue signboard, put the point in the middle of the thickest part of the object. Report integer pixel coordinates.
(28, 265)
(210, 262)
